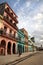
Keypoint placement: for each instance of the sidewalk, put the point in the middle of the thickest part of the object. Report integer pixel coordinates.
(13, 57)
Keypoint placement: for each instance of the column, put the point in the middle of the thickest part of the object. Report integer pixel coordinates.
(11, 48)
(16, 48)
(6, 49)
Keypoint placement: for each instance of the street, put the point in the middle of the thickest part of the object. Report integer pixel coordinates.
(36, 59)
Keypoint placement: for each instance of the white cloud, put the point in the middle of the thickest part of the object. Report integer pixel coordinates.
(31, 19)
(17, 2)
(42, 36)
(37, 20)
(38, 16)
(27, 4)
(41, 40)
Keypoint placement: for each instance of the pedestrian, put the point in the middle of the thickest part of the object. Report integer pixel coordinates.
(19, 50)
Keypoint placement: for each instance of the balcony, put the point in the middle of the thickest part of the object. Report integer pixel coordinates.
(8, 21)
(22, 42)
(14, 18)
(4, 34)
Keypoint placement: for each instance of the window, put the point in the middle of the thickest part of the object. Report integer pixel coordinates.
(7, 17)
(5, 29)
(10, 31)
(11, 13)
(14, 24)
(11, 21)
(7, 9)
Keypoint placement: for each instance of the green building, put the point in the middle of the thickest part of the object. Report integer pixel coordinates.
(20, 41)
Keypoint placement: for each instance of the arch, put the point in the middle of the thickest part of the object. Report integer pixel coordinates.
(9, 48)
(3, 43)
(14, 48)
(2, 46)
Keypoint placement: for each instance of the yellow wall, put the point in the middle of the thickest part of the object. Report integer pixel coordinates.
(1, 23)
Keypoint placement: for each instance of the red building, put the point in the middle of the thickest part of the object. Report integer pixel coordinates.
(8, 29)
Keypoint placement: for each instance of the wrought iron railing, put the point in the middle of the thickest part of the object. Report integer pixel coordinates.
(3, 33)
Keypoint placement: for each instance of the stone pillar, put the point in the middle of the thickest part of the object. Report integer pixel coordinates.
(6, 49)
(11, 48)
(16, 48)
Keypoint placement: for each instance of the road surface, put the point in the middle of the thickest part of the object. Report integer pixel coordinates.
(36, 59)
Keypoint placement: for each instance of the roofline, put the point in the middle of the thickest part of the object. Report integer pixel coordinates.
(9, 7)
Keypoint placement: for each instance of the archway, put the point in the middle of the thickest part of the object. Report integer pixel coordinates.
(9, 48)
(3, 45)
(14, 48)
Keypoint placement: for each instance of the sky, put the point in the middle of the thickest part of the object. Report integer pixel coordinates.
(30, 16)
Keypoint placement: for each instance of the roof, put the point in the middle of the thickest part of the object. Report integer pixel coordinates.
(9, 7)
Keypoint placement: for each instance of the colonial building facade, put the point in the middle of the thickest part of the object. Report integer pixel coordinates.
(25, 39)
(11, 38)
(8, 29)
(20, 41)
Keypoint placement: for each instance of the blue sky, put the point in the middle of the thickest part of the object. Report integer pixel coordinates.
(30, 16)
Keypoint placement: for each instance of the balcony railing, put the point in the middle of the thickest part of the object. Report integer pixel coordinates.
(8, 21)
(3, 33)
(14, 18)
